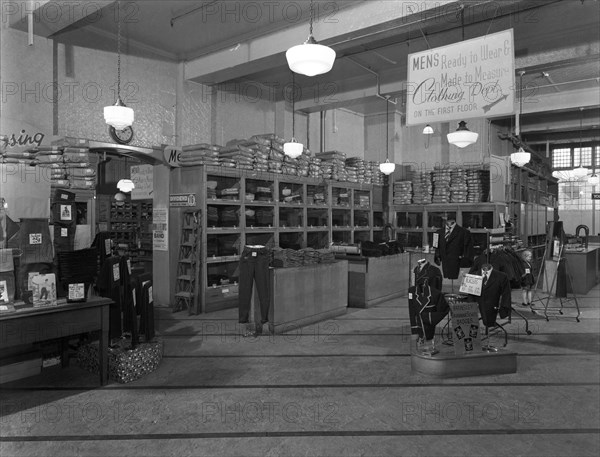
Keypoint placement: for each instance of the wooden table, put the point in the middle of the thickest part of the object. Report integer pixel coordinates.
(32, 325)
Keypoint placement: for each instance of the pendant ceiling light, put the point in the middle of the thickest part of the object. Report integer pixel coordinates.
(580, 171)
(427, 131)
(462, 137)
(521, 157)
(118, 115)
(387, 167)
(310, 58)
(125, 185)
(293, 149)
(594, 180)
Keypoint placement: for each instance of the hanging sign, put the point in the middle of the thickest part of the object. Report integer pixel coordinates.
(471, 284)
(182, 200)
(595, 196)
(172, 156)
(143, 178)
(465, 326)
(473, 78)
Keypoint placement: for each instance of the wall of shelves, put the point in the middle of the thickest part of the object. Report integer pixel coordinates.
(249, 208)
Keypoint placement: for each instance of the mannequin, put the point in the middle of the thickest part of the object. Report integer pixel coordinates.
(454, 248)
(427, 306)
(425, 271)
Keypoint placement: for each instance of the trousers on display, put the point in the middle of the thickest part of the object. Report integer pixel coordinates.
(254, 267)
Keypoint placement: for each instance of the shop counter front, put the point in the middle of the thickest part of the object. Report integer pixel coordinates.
(33, 325)
(583, 268)
(304, 295)
(373, 280)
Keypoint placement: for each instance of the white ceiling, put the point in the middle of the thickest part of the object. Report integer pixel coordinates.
(557, 44)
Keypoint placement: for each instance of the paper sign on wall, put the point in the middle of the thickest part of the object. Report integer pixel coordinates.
(160, 232)
(143, 179)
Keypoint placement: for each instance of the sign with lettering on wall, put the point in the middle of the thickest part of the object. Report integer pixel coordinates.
(143, 178)
(172, 156)
(472, 78)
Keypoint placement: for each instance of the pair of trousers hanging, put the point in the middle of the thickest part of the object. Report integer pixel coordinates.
(254, 267)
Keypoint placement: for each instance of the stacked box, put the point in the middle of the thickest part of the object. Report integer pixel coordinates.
(200, 154)
(441, 186)
(478, 183)
(422, 187)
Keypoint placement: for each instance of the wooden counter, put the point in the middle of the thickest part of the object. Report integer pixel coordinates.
(305, 295)
(583, 267)
(373, 280)
(32, 325)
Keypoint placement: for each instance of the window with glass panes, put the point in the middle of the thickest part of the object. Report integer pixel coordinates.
(582, 157)
(561, 158)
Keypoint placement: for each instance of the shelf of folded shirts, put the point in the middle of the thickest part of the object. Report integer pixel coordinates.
(223, 259)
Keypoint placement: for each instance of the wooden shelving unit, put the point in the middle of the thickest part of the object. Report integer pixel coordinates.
(250, 207)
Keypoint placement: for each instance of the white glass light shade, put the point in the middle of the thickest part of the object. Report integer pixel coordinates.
(520, 158)
(462, 137)
(387, 167)
(120, 197)
(310, 58)
(594, 180)
(293, 149)
(428, 130)
(118, 115)
(125, 185)
(580, 172)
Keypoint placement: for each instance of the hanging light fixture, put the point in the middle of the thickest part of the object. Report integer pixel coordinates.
(462, 137)
(310, 58)
(118, 115)
(293, 149)
(387, 167)
(521, 157)
(594, 180)
(125, 185)
(580, 171)
(427, 131)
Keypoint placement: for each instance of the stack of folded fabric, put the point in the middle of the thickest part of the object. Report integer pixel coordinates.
(242, 155)
(458, 186)
(361, 167)
(211, 189)
(200, 154)
(478, 182)
(352, 174)
(230, 193)
(402, 193)
(441, 185)
(80, 167)
(17, 156)
(212, 216)
(50, 158)
(228, 216)
(340, 197)
(326, 256)
(290, 166)
(77, 267)
(316, 195)
(311, 256)
(303, 164)
(422, 187)
(377, 175)
(263, 194)
(333, 164)
(314, 168)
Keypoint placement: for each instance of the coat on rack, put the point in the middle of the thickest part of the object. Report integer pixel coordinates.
(429, 273)
(427, 307)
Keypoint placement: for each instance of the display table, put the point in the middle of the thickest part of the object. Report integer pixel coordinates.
(305, 295)
(583, 268)
(372, 280)
(32, 325)
(448, 365)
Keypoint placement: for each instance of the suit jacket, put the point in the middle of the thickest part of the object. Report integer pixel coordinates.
(495, 298)
(454, 253)
(427, 307)
(431, 273)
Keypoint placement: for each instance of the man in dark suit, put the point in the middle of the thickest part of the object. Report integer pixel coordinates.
(495, 295)
(454, 248)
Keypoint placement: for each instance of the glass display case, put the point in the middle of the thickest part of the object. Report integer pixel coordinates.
(222, 216)
(258, 191)
(340, 196)
(222, 245)
(362, 198)
(222, 188)
(317, 217)
(361, 219)
(317, 195)
(259, 216)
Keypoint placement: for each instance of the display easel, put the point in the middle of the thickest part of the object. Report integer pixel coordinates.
(553, 252)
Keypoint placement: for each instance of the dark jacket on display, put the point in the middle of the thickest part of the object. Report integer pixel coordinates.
(427, 307)
(454, 253)
(429, 273)
(495, 298)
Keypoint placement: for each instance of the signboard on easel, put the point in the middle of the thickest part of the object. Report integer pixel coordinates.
(465, 328)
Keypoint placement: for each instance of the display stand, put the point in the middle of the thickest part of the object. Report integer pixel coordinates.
(554, 271)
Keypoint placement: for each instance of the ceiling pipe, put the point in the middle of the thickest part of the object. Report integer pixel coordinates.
(378, 94)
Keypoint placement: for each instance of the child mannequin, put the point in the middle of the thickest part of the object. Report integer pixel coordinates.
(527, 280)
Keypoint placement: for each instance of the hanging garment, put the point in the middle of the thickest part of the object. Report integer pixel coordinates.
(427, 307)
(108, 285)
(495, 298)
(254, 268)
(33, 239)
(527, 279)
(147, 307)
(430, 274)
(127, 303)
(455, 251)
(64, 238)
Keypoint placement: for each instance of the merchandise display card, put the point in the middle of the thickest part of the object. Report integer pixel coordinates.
(43, 288)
